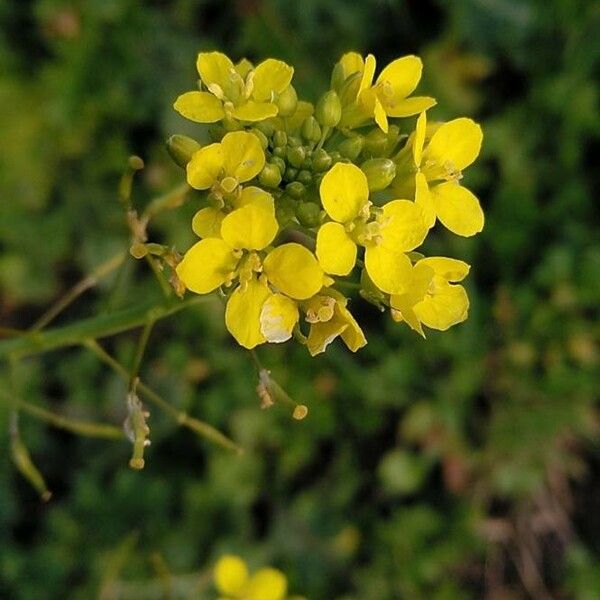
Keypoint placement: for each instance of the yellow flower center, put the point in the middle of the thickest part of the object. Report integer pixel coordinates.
(248, 265)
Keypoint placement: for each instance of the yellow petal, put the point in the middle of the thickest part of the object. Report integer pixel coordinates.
(335, 250)
(410, 106)
(278, 318)
(244, 157)
(321, 334)
(458, 208)
(243, 67)
(254, 111)
(250, 227)
(205, 167)
(231, 575)
(368, 72)
(267, 584)
(214, 67)
(401, 76)
(242, 314)
(448, 306)
(457, 142)
(207, 222)
(380, 116)
(424, 199)
(351, 62)
(207, 265)
(303, 111)
(201, 107)
(271, 76)
(390, 271)
(353, 335)
(258, 197)
(403, 226)
(450, 269)
(294, 270)
(344, 192)
(419, 139)
(403, 305)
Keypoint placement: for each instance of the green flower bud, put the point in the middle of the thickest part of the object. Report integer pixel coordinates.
(279, 163)
(287, 102)
(231, 124)
(321, 160)
(308, 214)
(294, 141)
(329, 109)
(262, 138)
(380, 173)
(270, 176)
(304, 177)
(337, 76)
(351, 147)
(267, 127)
(279, 138)
(290, 174)
(296, 156)
(280, 151)
(335, 156)
(307, 164)
(295, 189)
(285, 210)
(375, 143)
(181, 148)
(311, 130)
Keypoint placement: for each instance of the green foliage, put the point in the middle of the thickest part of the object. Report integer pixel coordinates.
(425, 469)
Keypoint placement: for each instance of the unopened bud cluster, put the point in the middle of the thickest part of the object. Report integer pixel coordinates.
(302, 202)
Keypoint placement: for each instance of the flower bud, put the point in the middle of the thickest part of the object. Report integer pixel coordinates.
(308, 214)
(267, 127)
(181, 148)
(216, 132)
(375, 143)
(304, 177)
(270, 176)
(290, 174)
(287, 102)
(279, 139)
(328, 111)
(279, 163)
(321, 160)
(294, 141)
(296, 156)
(351, 147)
(311, 130)
(262, 138)
(337, 76)
(380, 173)
(285, 210)
(295, 189)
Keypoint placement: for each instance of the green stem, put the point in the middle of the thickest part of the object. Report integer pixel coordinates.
(139, 354)
(37, 342)
(199, 427)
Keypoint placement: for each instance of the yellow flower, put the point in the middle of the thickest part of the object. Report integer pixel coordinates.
(388, 97)
(439, 154)
(239, 91)
(430, 298)
(237, 158)
(235, 583)
(329, 318)
(239, 255)
(387, 233)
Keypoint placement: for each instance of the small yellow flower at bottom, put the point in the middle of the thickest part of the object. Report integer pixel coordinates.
(234, 582)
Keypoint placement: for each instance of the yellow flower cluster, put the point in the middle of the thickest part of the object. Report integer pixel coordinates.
(304, 202)
(233, 581)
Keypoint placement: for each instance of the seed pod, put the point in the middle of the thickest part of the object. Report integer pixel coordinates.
(380, 173)
(181, 148)
(328, 111)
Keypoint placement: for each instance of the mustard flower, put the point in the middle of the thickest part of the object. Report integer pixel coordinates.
(234, 582)
(241, 91)
(387, 234)
(432, 165)
(431, 297)
(388, 97)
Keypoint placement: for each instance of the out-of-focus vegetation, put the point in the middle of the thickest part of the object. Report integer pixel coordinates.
(463, 466)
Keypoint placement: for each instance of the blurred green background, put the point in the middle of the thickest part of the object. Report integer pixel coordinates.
(463, 466)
